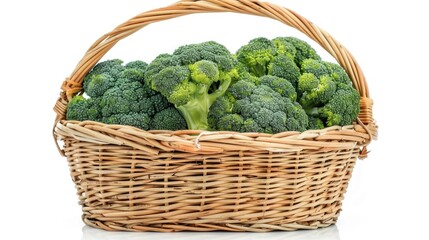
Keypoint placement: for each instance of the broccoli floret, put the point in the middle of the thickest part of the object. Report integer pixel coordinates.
(102, 77)
(98, 84)
(112, 67)
(260, 57)
(320, 68)
(343, 108)
(316, 67)
(118, 95)
(257, 55)
(192, 78)
(300, 50)
(337, 73)
(326, 93)
(332, 103)
(81, 109)
(315, 123)
(138, 64)
(168, 119)
(139, 120)
(122, 100)
(77, 109)
(223, 105)
(230, 122)
(284, 47)
(280, 85)
(257, 109)
(282, 66)
(94, 112)
(315, 91)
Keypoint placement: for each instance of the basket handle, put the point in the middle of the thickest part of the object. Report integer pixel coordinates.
(73, 84)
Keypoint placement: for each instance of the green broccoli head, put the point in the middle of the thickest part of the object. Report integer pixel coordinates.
(192, 78)
(315, 123)
(81, 109)
(320, 68)
(299, 49)
(168, 119)
(315, 91)
(332, 103)
(139, 120)
(284, 47)
(122, 99)
(343, 108)
(112, 67)
(282, 66)
(280, 85)
(77, 109)
(134, 71)
(337, 73)
(325, 91)
(261, 57)
(102, 77)
(118, 95)
(258, 108)
(315, 67)
(98, 84)
(257, 55)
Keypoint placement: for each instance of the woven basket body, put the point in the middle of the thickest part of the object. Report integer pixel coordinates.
(136, 180)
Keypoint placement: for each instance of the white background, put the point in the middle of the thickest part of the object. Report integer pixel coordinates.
(42, 41)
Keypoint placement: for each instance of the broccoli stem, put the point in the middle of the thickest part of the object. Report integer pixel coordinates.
(195, 112)
(314, 112)
(223, 87)
(259, 70)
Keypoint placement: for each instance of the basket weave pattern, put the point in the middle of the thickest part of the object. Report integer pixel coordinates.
(136, 180)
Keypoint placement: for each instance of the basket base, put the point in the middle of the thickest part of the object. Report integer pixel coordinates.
(229, 227)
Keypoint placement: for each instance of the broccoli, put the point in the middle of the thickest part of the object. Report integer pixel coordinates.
(315, 91)
(80, 109)
(328, 102)
(297, 48)
(247, 107)
(168, 119)
(315, 123)
(261, 57)
(77, 109)
(192, 78)
(280, 85)
(102, 77)
(118, 95)
(257, 55)
(326, 92)
(320, 68)
(140, 120)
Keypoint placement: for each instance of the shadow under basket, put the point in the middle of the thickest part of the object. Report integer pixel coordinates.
(135, 180)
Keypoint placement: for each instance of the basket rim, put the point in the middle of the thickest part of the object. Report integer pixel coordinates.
(209, 142)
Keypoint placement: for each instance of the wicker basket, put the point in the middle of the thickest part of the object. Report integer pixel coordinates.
(136, 180)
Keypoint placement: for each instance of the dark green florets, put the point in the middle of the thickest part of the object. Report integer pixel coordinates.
(258, 108)
(117, 94)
